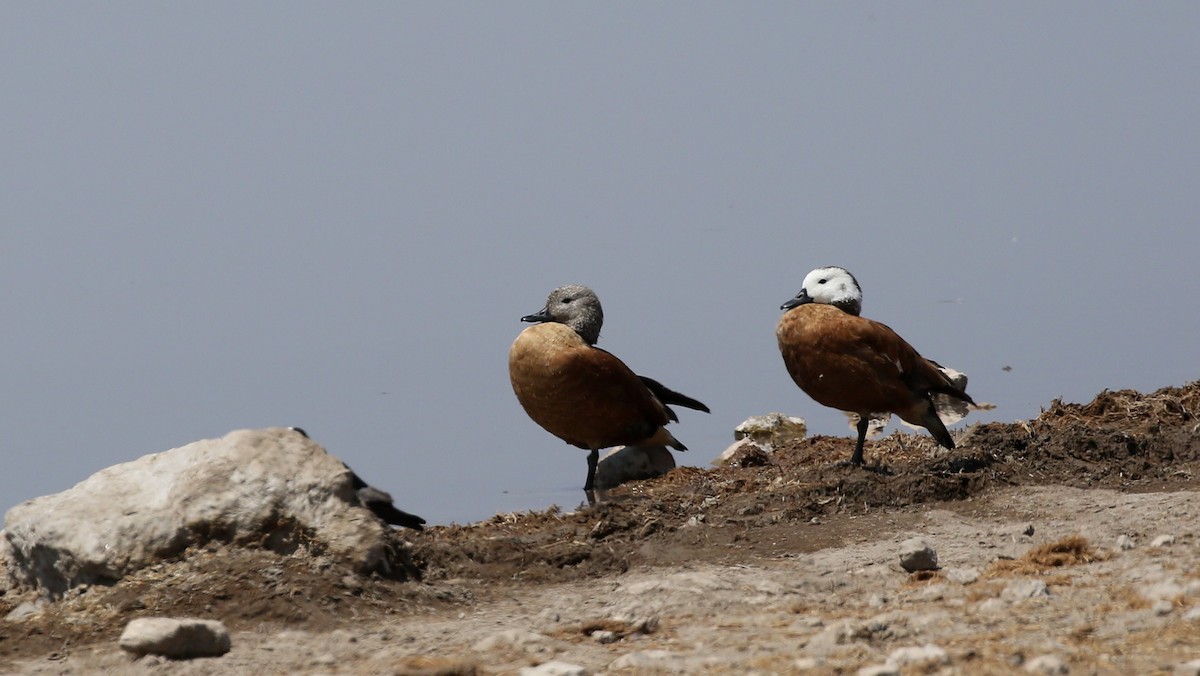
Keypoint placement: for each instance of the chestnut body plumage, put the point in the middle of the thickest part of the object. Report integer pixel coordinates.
(854, 364)
(580, 393)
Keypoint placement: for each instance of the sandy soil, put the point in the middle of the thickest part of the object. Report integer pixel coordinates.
(1067, 541)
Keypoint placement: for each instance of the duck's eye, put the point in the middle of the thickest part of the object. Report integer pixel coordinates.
(566, 300)
(822, 281)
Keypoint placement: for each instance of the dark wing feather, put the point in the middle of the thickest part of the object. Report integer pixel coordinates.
(669, 396)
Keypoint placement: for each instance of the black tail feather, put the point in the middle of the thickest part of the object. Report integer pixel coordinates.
(669, 396)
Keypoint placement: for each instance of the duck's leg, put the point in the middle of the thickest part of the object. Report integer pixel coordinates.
(589, 485)
(857, 458)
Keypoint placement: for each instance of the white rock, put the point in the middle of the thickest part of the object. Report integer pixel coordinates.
(271, 485)
(771, 429)
(648, 659)
(1163, 607)
(1188, 668)
(1024, 589)
(830, 638)
(1193, 614)
(734, 449)
(8, 565)
(554, 668)
(1163, 541)
(632, 463)
(175, 638)
(917, 554)
(992, 607)
(1161, 591)
(961, 575)
(25, 611)
(879, 670)
(1125, 543)
(604, 636)
(926, 655)
(1046, 664)
(530, 642)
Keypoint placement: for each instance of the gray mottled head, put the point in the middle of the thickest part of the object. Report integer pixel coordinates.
(576, 306)
(830, 285)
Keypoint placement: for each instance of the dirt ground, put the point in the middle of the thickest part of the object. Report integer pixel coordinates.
(787, 563)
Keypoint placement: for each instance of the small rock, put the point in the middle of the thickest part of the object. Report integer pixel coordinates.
(1024, 589)
(927, 655)
(743, 453)
(604, 636)
(1028, 530)
(1161, 591)
(530, 642)
(1188, 668)
(175, 638)
(1163, 541)
(632, 463)
(554, 668)
(992, 607)
(550, 615)
(879, 670)
(1125, 543)
(1192, 614)
(1163, 607)
(917, 554)
(24, 611)
(646, 659)
(1046, 664)
(961, 575)
(830, 638)
(771, 429)
(807, 663)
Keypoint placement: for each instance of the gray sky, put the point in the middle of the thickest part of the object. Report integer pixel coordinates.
(225, 215)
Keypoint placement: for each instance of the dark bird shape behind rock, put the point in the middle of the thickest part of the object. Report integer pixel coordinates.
(582, 394)
(857, 365)
(379, 502)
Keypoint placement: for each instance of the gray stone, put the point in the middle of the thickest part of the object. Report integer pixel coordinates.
(879, 670)
(771, 429)
(632, 463)
(961, 575)
(271, 486)
(1161, 591)
(829, 639)
(1188, 668)
(1024, 589)
(1050, 665)
(1163, 541)
(926, 656)
(605, 636)
(1125, 543)
(175, 638)
(554, 668)
(528, 641)
(917, 554)
(24, 611)
(649, 659)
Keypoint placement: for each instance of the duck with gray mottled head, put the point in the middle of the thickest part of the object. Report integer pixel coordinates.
(582, 394)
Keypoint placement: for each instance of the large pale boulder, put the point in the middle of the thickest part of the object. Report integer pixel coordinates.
(273, 488)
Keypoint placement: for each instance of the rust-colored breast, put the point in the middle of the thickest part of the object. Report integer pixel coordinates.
(848, 362)
(579, 393)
